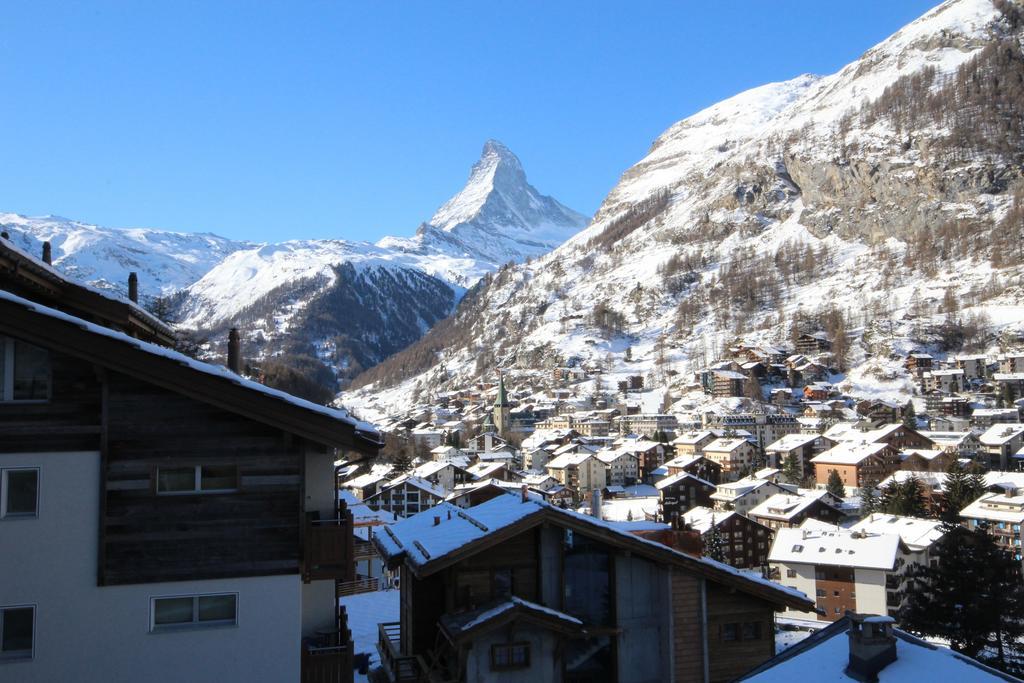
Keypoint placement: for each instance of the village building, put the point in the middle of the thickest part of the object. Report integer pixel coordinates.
(946, 381)
(121, 499)
(693, 442)
(1011, 362)
(734, 455)
(697, 465)
(744, 542)
(788, 510)
(800, 447)
(999, 444)
(857, 463)
(647, 424)
(745, 494)
(814, 343)
(406, 496)
(1010, 385)
(763, 427)
(622, 466)
(678, 493)
(580, 472)
(1002, 514)
(515, 588)
(728, 383)
(917, 363)
(974, 366)
(983, 418)
(845, 570)
(926, 459)
(961, 444)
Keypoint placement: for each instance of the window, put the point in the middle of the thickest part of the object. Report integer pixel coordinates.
(16, 632)
(821, 592)
(790, 573)
(752, 630)
(19, 492)
(502, 583)
(730, 632)
(197, 479)
(194, 611)
(24, 371)
(510, 656)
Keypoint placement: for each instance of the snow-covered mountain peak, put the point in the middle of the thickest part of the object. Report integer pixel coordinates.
(497, 170)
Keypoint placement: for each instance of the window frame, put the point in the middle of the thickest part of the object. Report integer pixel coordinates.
(197, 481)
(17, 656)
(525, 644)
(195, 624)
(7, 357)
(4, 477)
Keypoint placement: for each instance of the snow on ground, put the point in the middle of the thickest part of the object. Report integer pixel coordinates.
(365, 612)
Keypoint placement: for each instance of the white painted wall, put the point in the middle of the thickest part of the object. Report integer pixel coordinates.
(86, 633)
(803, 581)
(870, 591)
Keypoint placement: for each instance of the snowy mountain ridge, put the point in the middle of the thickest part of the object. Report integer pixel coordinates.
(775, 209)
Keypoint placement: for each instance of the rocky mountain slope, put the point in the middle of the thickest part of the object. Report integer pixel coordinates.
(883, 203)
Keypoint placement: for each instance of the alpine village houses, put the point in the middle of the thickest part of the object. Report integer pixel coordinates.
(161, 519)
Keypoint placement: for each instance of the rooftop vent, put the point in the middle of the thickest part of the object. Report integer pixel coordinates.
(872, 645)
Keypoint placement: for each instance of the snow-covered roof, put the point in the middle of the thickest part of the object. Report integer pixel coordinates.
(363, 429)
(835, 547)
(925, 453)
(690, 438)
(998, 434)
(482, 470)
(568, 459)
(701, 518)
(917, 533)
(996, 507)
(432, 535)
(675, 478)
(786, 506)
(418, 483)
(724, 445)
(377, 473)
(791, 441)
(460, 624)
(825, 657)
(849, 453)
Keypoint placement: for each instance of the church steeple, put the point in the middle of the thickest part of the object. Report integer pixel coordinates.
(502, 409)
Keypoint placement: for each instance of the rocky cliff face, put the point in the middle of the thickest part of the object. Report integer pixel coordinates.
(867, 196)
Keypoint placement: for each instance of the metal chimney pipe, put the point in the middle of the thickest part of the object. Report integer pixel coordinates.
(595, 504)
(47, 252)
(234, 352)
(133, 287)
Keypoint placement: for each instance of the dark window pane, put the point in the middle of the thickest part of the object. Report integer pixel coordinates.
(172, 611)
(502, 583)
(752, 630)
(217, 608)
(3, 368)
(176, 479)
(730, 632)
(22, 492)
(17, 630)
(31, 372)
(219, 478)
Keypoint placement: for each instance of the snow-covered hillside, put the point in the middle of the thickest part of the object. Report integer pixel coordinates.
(879, 194)
(165, 261)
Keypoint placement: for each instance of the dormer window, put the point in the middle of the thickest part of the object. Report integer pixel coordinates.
(24, 371)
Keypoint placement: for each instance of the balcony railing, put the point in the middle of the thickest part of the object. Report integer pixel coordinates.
(329, 549)
(361, 584)
(398, 667)
(327, 657)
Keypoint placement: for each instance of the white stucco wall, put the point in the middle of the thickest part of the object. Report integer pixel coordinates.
(803, 581)
(86, 633)
(870, 591)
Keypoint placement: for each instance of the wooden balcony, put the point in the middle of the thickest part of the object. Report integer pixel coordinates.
(361, 584)
(329, 549)
(327, 657)
(398, 667)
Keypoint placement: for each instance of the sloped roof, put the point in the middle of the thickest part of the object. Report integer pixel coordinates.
(835, 547)
(211, 384)
(439, 537)
(823, 656)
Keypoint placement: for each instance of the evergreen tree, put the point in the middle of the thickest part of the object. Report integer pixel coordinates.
(714, 542)
(791, 471)
(835, 484)
(972, 596)
(961, 489)
(909, 416)
(904, 498)
(869, 501)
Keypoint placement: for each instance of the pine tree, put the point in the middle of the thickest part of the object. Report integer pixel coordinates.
(835, 484)
(971, 596)
(909, 416)
(791, 470)
(961, 489)
(869, 500)
(904, 498)
(714, 543)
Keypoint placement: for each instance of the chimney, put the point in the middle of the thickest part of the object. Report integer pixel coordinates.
(133, 287)
(437, 520)
(6, 235)
(872, 645)
(595, 504)
(47, 252)
(234, 352)
(524, 493)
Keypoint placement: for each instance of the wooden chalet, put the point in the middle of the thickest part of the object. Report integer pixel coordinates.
(516, 589)
(168, 494)
(678, 493)
(744, 542)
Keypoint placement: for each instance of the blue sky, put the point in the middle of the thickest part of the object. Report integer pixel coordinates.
(300, 119)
